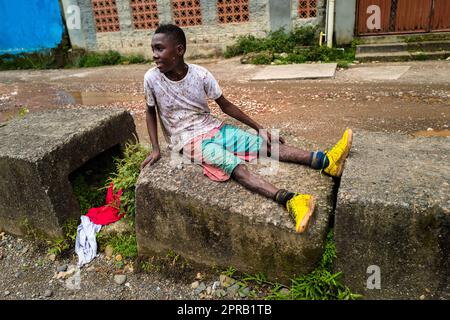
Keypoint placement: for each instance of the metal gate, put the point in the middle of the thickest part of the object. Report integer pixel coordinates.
(376, 17)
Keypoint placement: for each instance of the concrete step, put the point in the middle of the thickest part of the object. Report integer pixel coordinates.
(396, 38)
(403, 51)
(402, 56)
(381, 47)
(429, 46)
(387, 56)
(426, 46)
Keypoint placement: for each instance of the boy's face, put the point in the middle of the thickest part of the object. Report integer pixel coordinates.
(166, 52)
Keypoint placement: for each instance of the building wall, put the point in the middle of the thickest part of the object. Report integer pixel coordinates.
(280, 14)
(208, 39)
(318, 20)
(345, 19)
(29, 25)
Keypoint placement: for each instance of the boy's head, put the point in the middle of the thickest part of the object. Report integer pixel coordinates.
(169, 46)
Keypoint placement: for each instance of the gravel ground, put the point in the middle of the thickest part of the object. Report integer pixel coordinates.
(30, 273)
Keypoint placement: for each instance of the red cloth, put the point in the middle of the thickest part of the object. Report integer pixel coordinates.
(109, 213)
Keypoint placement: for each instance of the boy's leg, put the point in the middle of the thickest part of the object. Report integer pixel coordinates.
(332, 161)
(293, 154)
(254, 182)
(220, 151)
(242, 142)
(316, 159)
(300, 206)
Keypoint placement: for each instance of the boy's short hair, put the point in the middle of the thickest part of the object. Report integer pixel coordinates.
(175, 32)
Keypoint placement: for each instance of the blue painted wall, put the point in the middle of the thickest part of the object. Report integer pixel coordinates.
(29, 25)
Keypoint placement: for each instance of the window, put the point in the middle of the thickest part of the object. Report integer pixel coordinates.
(187, 12)
(145, 14)
(230, 11)
(307, 9)
(105, 15)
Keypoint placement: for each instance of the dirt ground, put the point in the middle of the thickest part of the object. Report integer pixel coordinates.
(418, 103)
(314, 110)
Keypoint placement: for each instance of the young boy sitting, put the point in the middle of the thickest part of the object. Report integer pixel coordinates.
(179, 91)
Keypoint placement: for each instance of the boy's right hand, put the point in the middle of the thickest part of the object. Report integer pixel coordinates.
(154, 156)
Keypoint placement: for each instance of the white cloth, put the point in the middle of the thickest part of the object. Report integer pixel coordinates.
(182, 105)
(86, 242)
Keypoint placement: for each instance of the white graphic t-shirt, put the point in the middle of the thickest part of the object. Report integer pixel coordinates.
(182, 105)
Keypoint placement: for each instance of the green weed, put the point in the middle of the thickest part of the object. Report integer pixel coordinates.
(125, 245)
(90, 187)
(88, 195)
(277, 42)
(126, 174)
(42, 60)
(263, 58)
(421, 56)
(230, 271)
(148, 266)
(259, 278)
(30, 232)
(427, 37)
(320, 284)
(170, 264)
(356, 42)
(62, 245)
(297, 46)
(96, 59)
(48, 60)
(23, 111)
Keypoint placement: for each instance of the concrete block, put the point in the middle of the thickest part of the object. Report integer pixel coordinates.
(224, 224)
(393, 212)
(37, 154)
(296, 71)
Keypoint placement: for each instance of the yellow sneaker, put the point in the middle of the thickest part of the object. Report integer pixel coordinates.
(301, 208)
(338, 154)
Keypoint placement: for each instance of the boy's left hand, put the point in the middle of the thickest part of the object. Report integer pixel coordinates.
(268, 137)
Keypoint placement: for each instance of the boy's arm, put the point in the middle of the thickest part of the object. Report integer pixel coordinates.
(233, 111)
(152, 128)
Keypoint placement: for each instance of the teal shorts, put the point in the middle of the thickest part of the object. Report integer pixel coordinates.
(228, 146)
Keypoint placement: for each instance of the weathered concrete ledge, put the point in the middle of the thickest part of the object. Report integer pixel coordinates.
(223, 224)
(393, 212)
(37, 154)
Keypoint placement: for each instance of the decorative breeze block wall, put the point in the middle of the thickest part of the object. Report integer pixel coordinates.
(105, 15)
(186, 13)
(230, 11)
(144, 14)
(307, 9)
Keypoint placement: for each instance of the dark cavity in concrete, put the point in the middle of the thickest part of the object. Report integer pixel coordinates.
(88, 180)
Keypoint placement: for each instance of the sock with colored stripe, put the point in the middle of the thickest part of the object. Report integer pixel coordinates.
(283, 196)
(318, 160)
